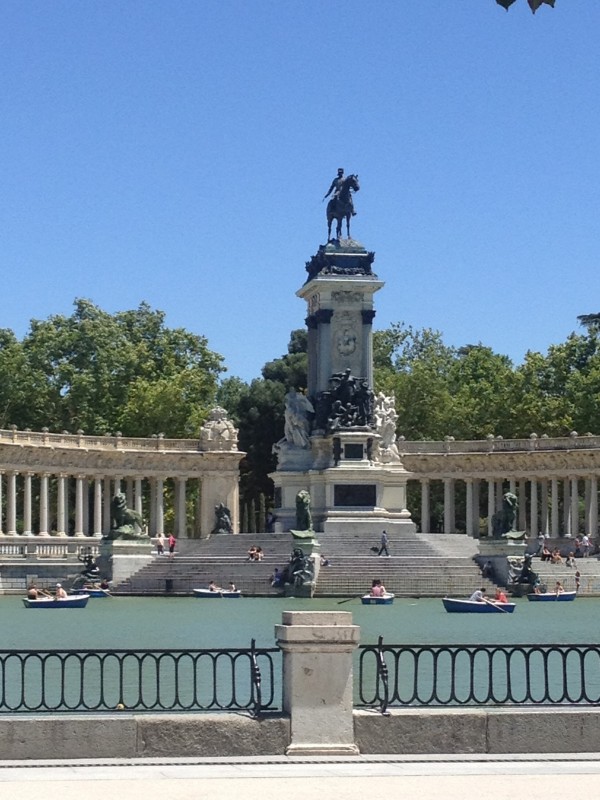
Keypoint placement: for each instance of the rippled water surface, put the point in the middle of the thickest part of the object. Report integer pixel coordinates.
(172, 622)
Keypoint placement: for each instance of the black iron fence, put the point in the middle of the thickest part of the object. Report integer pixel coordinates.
(141, 680)
(477, 675)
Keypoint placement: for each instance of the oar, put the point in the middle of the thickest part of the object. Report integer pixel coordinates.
(495, 605)
(347, 600)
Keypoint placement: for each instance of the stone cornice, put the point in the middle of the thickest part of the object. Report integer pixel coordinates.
(59, 457)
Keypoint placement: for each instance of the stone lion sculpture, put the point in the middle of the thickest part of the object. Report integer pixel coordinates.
(503, 521)
(303, 515)
(125, 522)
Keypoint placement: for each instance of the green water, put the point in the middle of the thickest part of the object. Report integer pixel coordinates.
(190, 623)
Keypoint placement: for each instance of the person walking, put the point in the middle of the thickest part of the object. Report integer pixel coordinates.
(172, 543)
(384, 545)
(160, 544)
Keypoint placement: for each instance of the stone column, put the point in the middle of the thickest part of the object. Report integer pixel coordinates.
(425, 511)
(449, 515)
(566, 505)
(475, 506)
(97, 508)
(138, 497)
(554, 524)
(544, 521)
(469, 509)
(44, 504)
(534, 526)
(79, 505)
(491, 504)
(27, 504)
(61, 516)
(107, 521)
(574, 531)
(181, 515)
(160, 507)
(11, 503)
(592, 527)
(1, 505)
(522, 505)
(85, 523)
(317, 681)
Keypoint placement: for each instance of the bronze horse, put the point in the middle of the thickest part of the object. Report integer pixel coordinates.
(340, 206)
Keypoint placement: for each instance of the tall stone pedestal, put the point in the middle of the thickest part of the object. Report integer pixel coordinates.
(349, 465)
(317, 681)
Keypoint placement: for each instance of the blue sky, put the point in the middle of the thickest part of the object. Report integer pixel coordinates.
(176, 151)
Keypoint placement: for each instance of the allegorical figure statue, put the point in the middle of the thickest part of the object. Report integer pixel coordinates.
(223, 522)
(341, 205)
(297, 420)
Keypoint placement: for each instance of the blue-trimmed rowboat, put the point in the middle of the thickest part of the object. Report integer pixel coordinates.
(211, 594)
(551, 597)
(383, 600)
(455, 606)
(72, 601)
(96, 592)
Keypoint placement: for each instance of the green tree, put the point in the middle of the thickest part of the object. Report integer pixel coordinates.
(105, 372)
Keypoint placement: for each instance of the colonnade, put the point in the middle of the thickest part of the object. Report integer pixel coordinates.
(553, 505)
(44, 504)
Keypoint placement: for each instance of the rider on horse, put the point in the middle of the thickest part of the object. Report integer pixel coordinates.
(336, 185)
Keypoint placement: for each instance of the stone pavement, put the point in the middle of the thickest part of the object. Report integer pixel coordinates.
(534, 776)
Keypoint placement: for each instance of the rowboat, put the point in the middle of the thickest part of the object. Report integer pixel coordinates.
(454, 606)
(382, 600)
(72, 601)
(95, 592)
(545, 597)
(211, 594)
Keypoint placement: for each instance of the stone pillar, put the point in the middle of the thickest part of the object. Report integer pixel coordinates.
(85, 525)
(160, 507)
(1, 504)
(61, 516)
(566, 506)
(449, 515)
(138, 497)
(592, 527)
(425, 511)
(79, 505)
(44, 504)
(476, 506)
(544, 504)
(181, 515)
(129, 492)
(534, 527)
(522, 505)
(469, 509)
(554, 523)
(97, 508)
(27, 504)
(491, 505)
(574, 531)
(107, 521)
(317, 681)
(11, 503)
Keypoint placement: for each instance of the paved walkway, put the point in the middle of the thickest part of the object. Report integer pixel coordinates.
(535, 777)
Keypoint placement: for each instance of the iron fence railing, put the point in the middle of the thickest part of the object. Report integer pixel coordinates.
(141, 680)
(477, 675)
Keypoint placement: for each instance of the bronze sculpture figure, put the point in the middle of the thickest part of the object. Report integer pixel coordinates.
(341, 206)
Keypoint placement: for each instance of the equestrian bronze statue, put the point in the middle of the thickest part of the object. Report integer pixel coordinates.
(341, 206)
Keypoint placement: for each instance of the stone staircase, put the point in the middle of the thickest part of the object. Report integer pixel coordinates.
(220, 558)
(420, 565)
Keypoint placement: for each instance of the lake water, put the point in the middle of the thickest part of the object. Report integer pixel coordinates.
(181, 622)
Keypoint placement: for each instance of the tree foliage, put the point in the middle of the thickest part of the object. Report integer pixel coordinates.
(102, 372)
